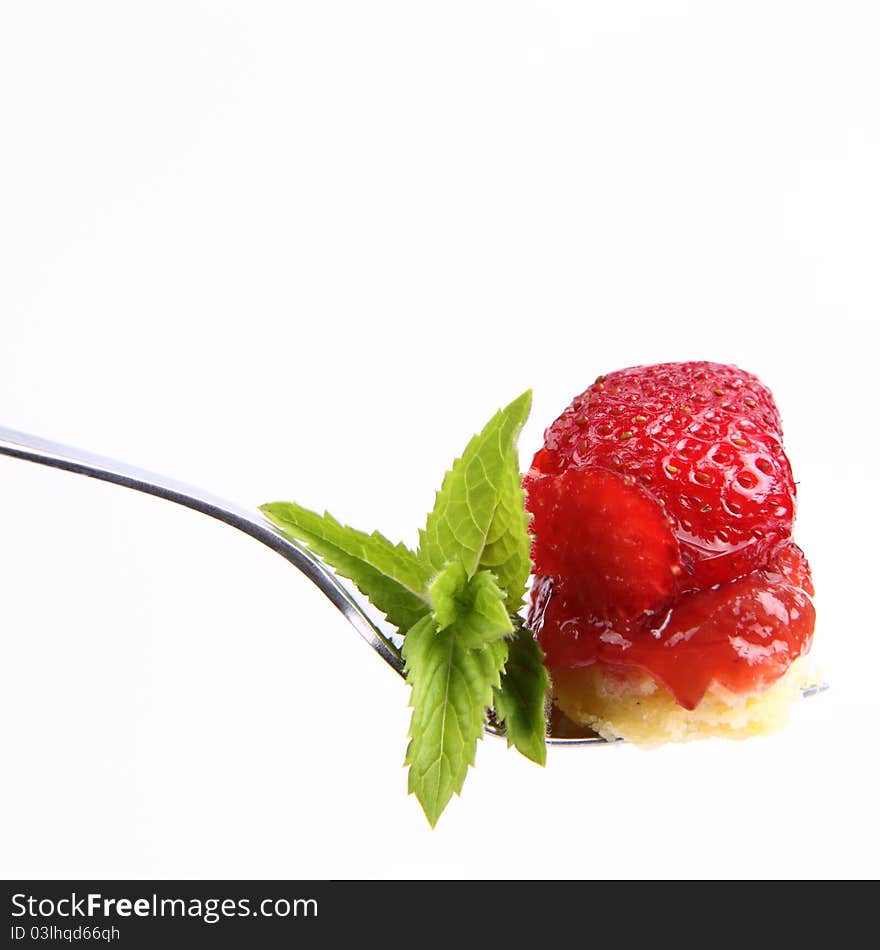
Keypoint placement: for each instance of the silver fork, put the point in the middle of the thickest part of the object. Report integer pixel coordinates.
(55, 455)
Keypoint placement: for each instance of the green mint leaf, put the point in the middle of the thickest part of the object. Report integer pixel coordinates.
(479, 517)
(476, 605)
(391, 575)
(521, 699)
(452, 688)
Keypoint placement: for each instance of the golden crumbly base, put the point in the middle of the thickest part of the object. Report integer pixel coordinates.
(632, 706)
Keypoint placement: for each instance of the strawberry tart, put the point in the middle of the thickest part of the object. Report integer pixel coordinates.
(669, 597)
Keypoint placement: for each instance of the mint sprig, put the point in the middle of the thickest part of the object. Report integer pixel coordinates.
(456, 601)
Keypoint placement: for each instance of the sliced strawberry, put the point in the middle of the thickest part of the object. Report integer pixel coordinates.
(607, 535)
(742, 635)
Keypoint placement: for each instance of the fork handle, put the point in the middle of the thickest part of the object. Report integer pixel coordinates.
(32, 448)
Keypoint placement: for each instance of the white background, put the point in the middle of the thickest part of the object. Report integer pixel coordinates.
(304, 250)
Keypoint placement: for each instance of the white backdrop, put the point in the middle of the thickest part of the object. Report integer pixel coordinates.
(303, 250)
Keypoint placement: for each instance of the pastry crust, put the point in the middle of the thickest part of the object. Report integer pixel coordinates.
(630, 705)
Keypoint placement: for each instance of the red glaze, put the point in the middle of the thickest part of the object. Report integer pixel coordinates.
(743, 635)
(663, 506)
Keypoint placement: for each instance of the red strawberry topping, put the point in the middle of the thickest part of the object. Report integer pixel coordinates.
(704, 441)
(663, 506)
